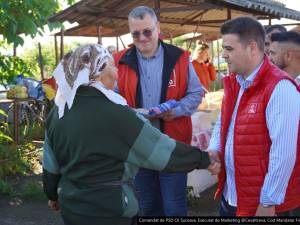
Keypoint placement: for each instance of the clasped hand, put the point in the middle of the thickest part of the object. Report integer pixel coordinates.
(215, 164)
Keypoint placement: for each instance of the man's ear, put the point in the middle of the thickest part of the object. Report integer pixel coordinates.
(158, 27)
(253, 47)
(289, 54)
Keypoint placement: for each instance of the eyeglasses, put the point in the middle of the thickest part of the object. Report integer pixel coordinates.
(146, 32)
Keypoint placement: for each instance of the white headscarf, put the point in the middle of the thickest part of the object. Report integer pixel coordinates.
(82, 67)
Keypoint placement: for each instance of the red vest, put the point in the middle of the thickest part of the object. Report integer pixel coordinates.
(252, 141)
(179, 128)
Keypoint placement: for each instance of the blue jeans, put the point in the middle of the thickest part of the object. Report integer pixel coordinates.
(161, 194)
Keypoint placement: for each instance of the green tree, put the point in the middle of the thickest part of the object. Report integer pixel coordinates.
(26, 17)
(31, 57)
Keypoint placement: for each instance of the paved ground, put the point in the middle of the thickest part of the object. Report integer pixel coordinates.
(17, 211)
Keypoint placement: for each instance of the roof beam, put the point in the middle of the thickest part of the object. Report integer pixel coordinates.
(194, 17)
(202, 6)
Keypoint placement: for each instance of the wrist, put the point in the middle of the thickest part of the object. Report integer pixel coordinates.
(266, 205)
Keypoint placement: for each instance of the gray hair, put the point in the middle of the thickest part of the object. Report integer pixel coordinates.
(140, 12)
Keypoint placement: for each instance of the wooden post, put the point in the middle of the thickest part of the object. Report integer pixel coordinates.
(117, 43)
(157, 8)
(212, 51)
(99, 34)
(56, 50)
(171, 38)
(218, 54)
(229, 14)
(61, 43)
(15, 50)
(41, 61)
(122, 42)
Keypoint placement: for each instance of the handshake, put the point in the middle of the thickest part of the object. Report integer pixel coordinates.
(215, 164)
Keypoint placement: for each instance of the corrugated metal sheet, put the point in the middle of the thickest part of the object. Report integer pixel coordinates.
(177, 17)
(270, 7)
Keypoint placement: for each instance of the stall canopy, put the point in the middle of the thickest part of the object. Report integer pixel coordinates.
(177, 17)
(297, 28)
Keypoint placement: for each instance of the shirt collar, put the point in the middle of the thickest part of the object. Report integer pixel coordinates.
(157, 54)
(298, 79)
(244, 84)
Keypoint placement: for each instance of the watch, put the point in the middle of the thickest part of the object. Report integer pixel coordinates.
(266, 206)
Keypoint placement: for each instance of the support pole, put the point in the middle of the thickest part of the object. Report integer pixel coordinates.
(61, 43)
(99, 34)
(117, 43)
(56, 50)
(41, 61)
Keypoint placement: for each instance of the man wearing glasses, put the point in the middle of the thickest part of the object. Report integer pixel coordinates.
(152, 72)
(285, 53)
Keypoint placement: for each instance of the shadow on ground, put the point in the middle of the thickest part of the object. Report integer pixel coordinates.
(21, 211)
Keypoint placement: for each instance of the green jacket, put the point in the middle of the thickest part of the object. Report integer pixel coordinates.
(96, 148)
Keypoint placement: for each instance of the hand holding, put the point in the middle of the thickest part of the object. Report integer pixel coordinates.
(214, 168)
(53, 205)
(167, 116)
(214, 156)
(215, 164)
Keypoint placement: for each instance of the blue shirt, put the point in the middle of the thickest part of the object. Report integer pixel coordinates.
(282, 116)
(151, 69)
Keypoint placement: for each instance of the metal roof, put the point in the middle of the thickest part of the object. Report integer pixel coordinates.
(177, 17)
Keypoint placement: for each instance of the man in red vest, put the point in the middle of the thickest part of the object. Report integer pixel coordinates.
(256, 133)
(152, 72)
(285, 53)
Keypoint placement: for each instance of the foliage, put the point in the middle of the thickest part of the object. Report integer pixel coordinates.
(4, 138)
(31, 57)
(11, 66)
(16, 159)
(6, 188)
(33, 190)
(180, 42)
(26, 17)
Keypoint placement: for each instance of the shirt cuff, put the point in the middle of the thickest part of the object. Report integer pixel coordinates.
(265, 199)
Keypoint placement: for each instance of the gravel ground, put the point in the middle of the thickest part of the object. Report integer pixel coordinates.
(17, 211)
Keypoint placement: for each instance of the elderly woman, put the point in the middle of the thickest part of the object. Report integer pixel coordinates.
(95, 145)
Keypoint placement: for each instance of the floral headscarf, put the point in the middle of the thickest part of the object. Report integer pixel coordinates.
(81, 67)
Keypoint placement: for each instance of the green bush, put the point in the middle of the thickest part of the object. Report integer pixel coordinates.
(33, 190)
(11, 66)
(6, 188)
(16, 159)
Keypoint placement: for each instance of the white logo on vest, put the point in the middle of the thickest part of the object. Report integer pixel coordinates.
(252, 108)
(172, 82)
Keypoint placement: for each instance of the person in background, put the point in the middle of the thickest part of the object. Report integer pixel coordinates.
(204, 68)
(257, 130)
(152, 72)
(277, 28)
(285, 53)
(112, 49)
(95, 144)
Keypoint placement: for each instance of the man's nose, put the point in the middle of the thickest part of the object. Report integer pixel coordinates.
(224, 55)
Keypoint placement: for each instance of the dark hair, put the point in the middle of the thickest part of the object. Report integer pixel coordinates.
(290, 36)
(279, 27)
(247, 28)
